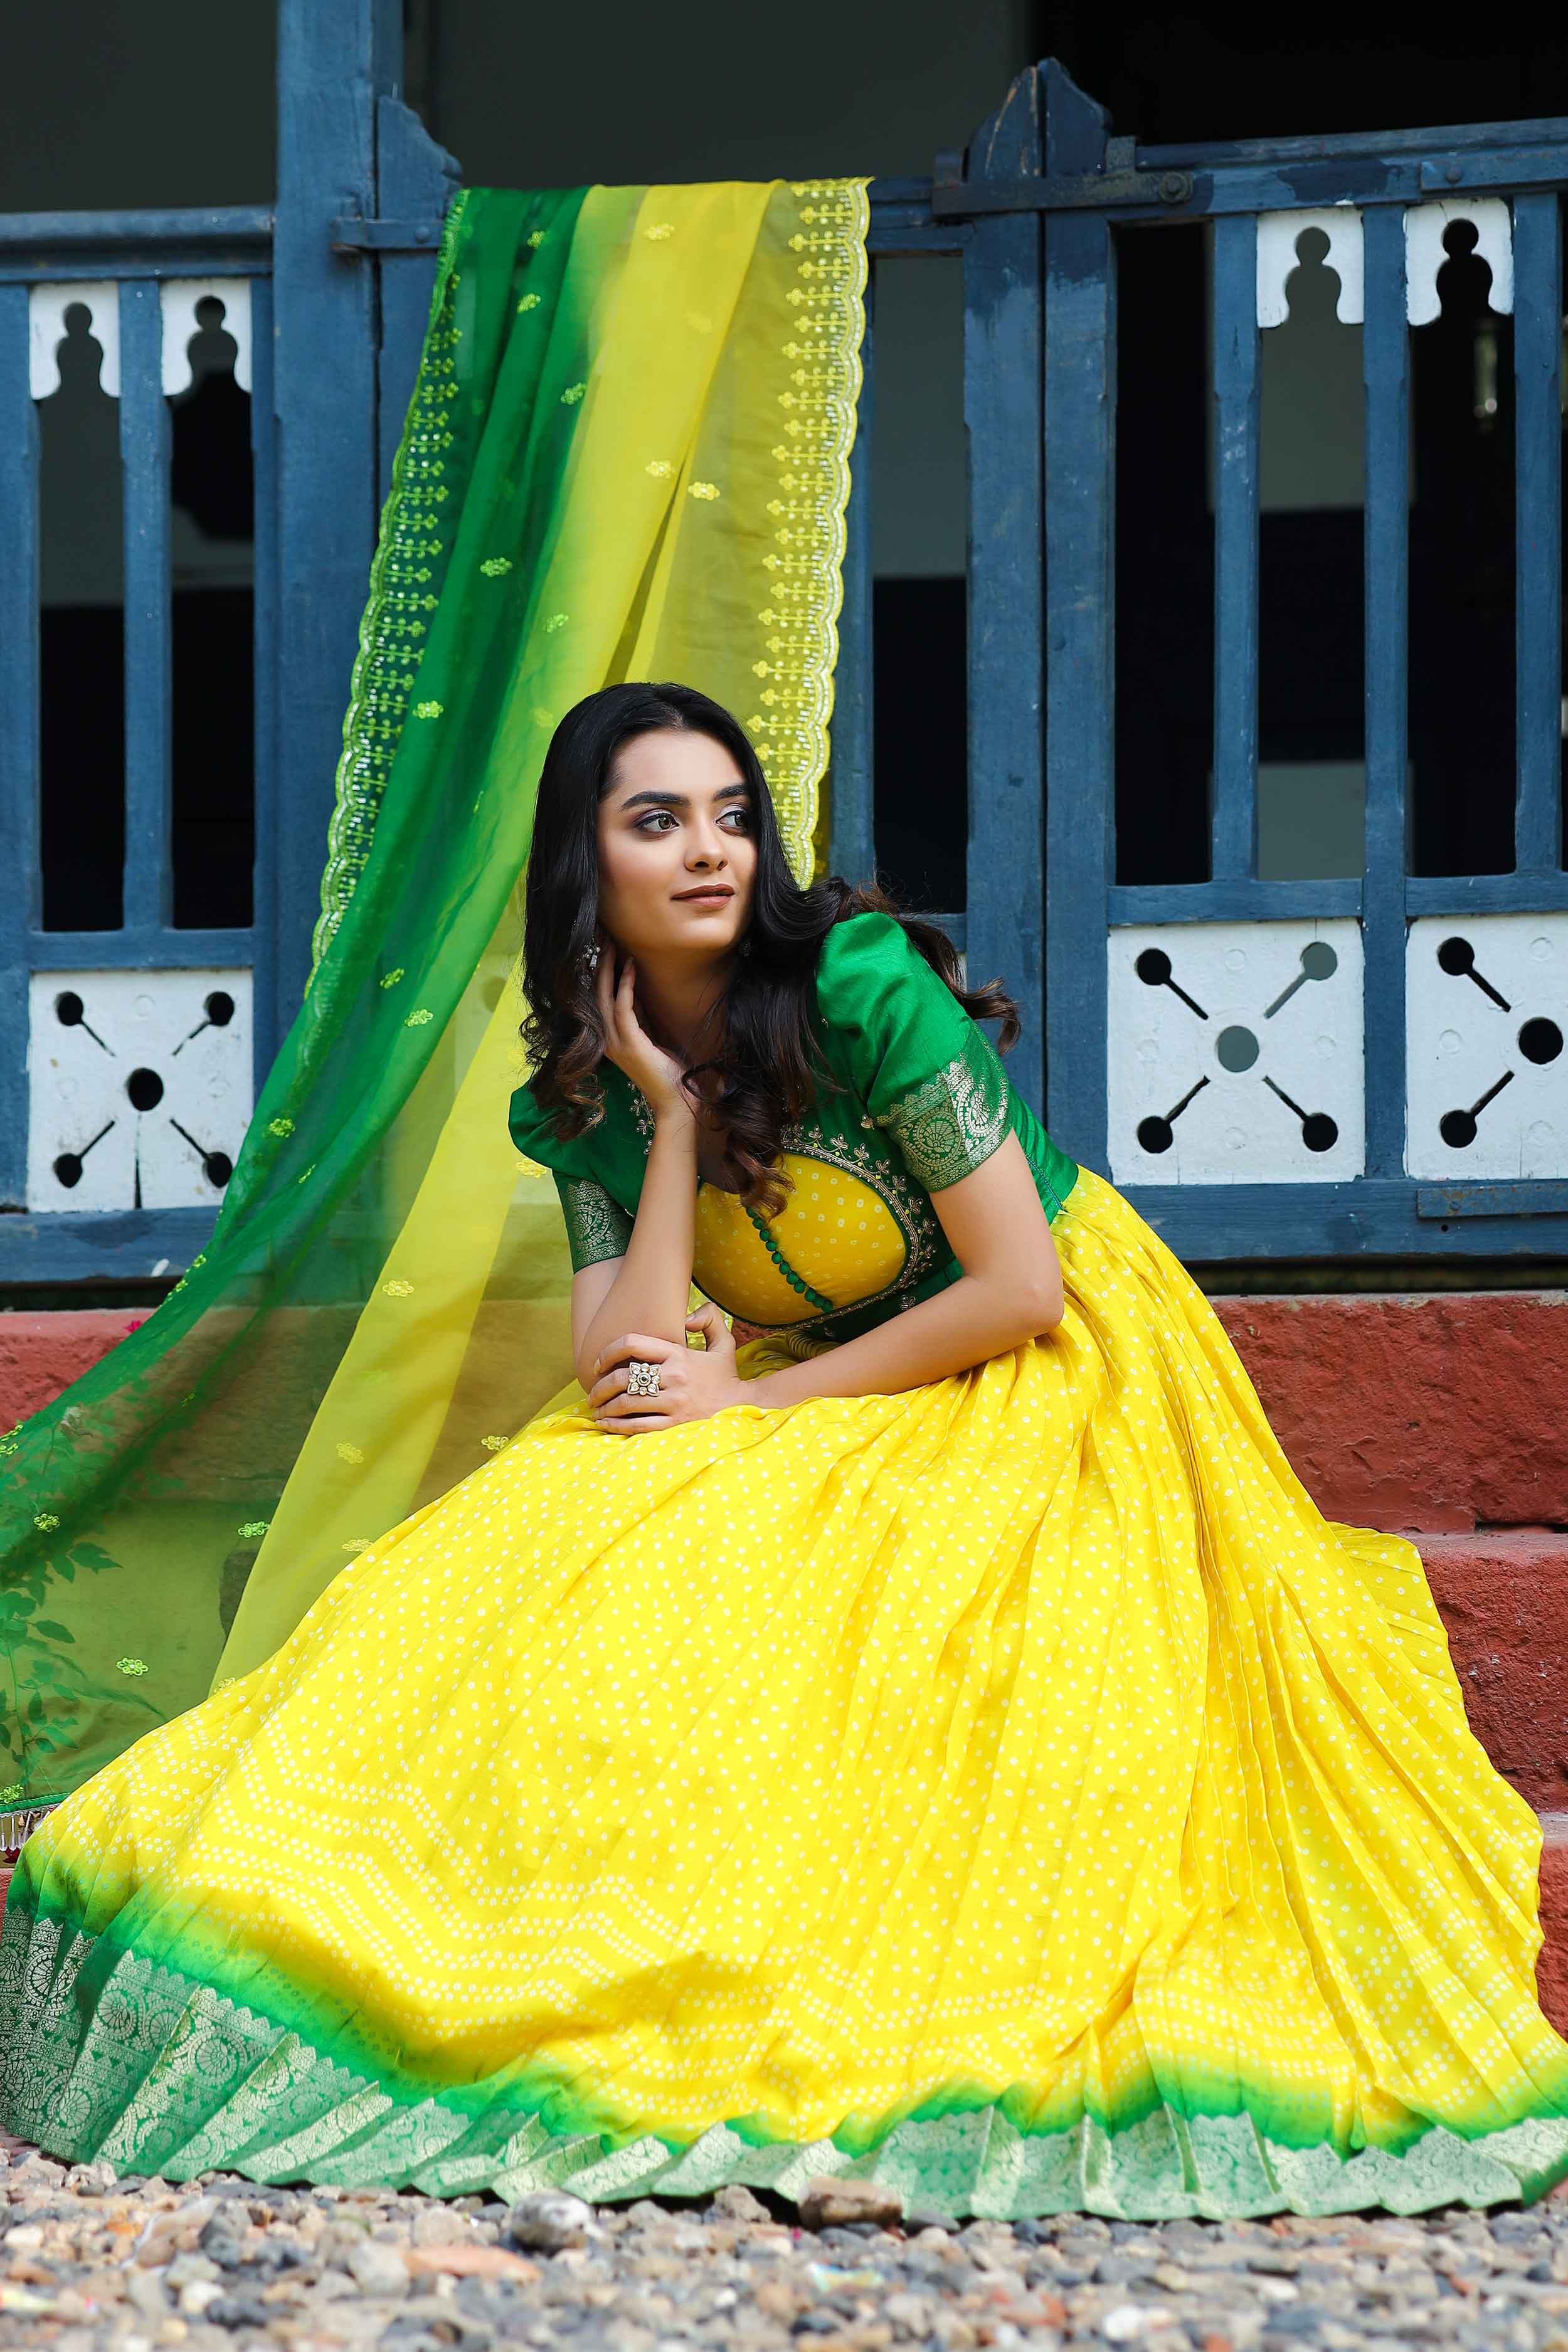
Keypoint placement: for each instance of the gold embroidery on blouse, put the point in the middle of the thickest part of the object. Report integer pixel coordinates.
(597, 1227)
(900, 1192)
(950, 1124)
(924, 1240)
(642, 1112)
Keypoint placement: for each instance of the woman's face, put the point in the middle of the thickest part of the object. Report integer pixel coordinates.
(677, 852)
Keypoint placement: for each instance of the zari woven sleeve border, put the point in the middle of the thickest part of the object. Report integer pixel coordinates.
(596, 1226)
(927, 1075)
(950, 1125)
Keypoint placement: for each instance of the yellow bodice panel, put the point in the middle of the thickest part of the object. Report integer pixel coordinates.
(833, 1231)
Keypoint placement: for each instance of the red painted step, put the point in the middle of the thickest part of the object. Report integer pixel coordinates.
(1503, 1596)
(1443, 1411)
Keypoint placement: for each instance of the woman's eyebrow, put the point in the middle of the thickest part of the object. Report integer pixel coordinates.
(652, 799)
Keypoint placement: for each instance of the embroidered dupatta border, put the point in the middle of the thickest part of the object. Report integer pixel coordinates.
(405, 572)
(821, 404)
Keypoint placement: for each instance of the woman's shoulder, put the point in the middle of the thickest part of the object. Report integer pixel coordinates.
(532, 1125)
(887, 1018)
(862, 962)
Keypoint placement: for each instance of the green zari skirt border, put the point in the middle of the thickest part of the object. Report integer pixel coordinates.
(121, 2058)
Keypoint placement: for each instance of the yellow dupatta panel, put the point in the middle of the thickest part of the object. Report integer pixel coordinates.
(697, 533)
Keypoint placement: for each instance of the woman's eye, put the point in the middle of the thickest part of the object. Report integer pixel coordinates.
(743, 818)
(655, 821)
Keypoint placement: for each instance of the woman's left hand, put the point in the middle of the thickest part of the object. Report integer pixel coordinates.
(692, 1381)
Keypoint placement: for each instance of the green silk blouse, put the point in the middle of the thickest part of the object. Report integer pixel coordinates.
(919, 1098)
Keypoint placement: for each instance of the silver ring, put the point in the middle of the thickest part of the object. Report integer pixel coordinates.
(642, 1380)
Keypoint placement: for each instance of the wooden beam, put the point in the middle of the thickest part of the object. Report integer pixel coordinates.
(1002, 339)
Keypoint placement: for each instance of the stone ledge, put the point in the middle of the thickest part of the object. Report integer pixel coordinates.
(40, 1354)
(1503, 1597)
(1440, 1411)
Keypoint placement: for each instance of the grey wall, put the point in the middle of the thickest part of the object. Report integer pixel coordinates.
(106, 103)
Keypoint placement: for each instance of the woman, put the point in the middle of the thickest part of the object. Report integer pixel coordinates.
(938, 1740)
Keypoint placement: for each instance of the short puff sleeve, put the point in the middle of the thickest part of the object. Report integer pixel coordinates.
(597, 1227)
(926, 1073)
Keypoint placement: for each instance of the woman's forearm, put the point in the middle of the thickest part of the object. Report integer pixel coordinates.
(975, 1317)
(652, 1291)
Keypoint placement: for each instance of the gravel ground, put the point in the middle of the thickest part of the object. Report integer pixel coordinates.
(220, 2266)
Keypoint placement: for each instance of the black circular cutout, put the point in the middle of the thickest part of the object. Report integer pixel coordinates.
(1456, 955)
(1155, 1134)
(69, 1010)
(217, 1167)
(1541, 1040)
(67, 1169)
(1236, 1048)
(220, 1008)
(145, 1088)
(1318, 961)
(1457, 1129)
(1319, 1132)
(1154, 968)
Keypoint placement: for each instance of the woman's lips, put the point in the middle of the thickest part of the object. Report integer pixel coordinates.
(702, 898)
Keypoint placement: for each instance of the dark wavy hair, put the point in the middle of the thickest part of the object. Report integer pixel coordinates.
(767, 1068)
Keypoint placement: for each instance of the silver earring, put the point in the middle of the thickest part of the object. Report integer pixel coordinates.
(590, 958)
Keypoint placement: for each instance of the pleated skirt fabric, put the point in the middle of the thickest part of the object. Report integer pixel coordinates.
(1012, 1789)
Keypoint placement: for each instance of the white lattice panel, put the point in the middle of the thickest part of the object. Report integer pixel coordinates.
(139, 1087)
(1278, 235)
(1486, 1017)
(179, 297)
(47, 308)
(1235, 1053)
(1426, 225)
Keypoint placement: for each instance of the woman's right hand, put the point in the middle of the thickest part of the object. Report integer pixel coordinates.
(656, 1074)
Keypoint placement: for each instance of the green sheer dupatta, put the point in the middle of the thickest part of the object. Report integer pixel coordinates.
(626, 457)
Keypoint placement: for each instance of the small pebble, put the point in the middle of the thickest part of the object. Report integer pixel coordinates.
(378, 2269)
(550, 2219)
(829, 2200)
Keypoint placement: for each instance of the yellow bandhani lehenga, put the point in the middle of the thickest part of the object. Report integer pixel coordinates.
(1012, 1789)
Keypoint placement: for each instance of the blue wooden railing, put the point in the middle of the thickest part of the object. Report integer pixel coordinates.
(1037, 211)
(134, 252)
(338, 271)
